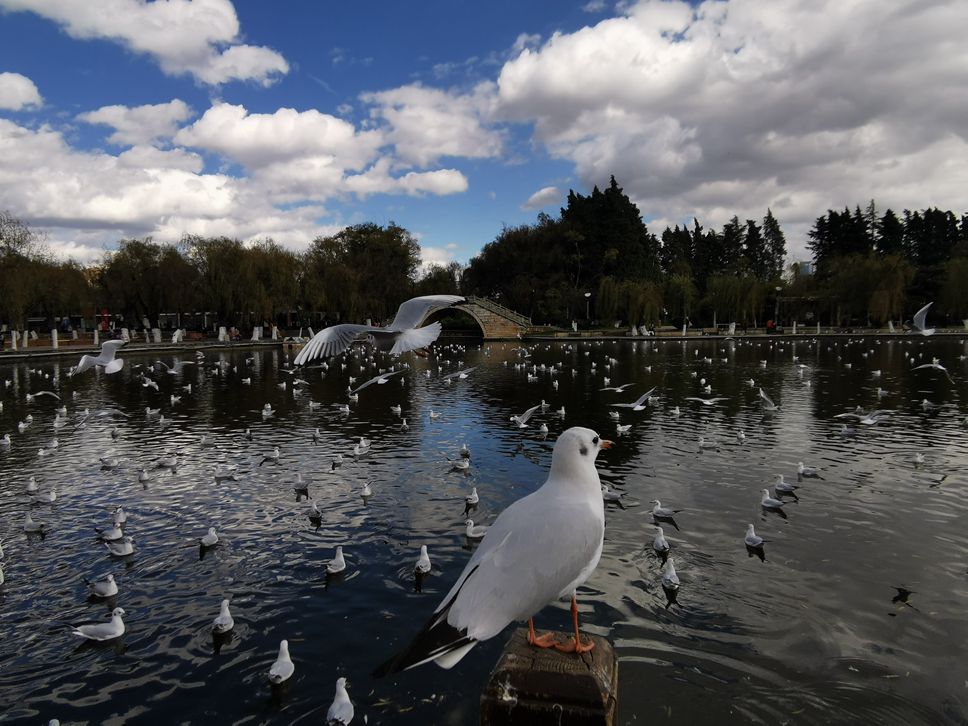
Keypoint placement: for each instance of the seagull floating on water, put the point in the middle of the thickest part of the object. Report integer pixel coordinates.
(341, 709)
(103, 631)
(282, 670)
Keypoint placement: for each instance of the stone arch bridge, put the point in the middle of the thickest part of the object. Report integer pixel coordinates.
(496, 321)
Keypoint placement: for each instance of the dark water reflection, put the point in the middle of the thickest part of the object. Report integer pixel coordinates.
(856, 614)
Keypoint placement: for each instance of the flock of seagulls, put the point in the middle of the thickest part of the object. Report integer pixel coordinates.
(471, 611)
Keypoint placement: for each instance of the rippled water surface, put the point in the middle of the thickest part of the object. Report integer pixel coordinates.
(816, 632)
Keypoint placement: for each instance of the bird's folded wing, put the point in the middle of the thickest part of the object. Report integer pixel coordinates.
(331, 341)
(411, 313)
(415, 338)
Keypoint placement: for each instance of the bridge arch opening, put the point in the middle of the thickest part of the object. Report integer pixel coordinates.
(457, 323)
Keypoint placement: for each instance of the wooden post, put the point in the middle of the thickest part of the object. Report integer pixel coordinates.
(537, 686)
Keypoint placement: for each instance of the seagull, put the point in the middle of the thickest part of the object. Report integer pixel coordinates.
(176, 369)
(807, 472)
(400, 336)
(103, 587)
(282, 670)
(768, 404)
(639, 403)
(423, 562)
(618, 389)
(707, 401)
(610, 495)
(460, 375)
(670, 580)
(557, 530)
(782, 487)
(271, 456)
(32, 396)
(223, 622)
(752, 539)
(521, 419)
(660, 545)
(121, 549)
(768, 502)
(473, 531)
(31, 526)
(473, 497)
(337, 564)
(210, 539)
(379, 380)
(106, 359)
(660, 512)
(341, 709)
(935, 363)
(103, 631)
(366, 491)
(920, 320)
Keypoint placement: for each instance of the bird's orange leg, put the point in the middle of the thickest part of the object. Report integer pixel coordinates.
(540, 641)
(576, 646)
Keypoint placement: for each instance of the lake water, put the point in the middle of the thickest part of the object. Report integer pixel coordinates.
(817, 632)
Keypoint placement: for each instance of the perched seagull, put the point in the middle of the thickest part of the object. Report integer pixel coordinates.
(768, 502)
(660, 545)
(472, 531)
(337, 564)
(557, 530)
(209, 539)
(521, 419)
(920, 320)
(103, 631)
(106, 359)
(638, 404)
(121, 549)
(752, 539)
(423, 562)
(610, 495)
(400, 336)
(341, 709)
(282, 670)
(223, 622)
(103, 587)
(670, 580)
(660, 512)
(807, 472)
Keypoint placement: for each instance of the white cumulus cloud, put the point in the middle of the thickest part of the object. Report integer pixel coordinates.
(147, 124)
(18, 92)
(196, 37)
(730, 107)
(542, 198)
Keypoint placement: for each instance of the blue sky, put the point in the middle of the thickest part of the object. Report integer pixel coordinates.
(121, 118)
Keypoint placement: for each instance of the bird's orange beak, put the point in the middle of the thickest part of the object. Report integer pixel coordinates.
(606, 444)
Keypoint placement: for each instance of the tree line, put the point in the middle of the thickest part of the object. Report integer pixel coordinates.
(597, 259)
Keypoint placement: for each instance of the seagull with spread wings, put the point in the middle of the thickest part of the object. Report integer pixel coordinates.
(638, 404)
(379, 380)
(400, 336)
(106, 359)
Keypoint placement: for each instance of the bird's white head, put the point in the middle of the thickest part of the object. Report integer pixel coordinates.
(117, 612)
(341, 683)
(574, 455)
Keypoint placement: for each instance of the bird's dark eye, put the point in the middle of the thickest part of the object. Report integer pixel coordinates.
(595, 441)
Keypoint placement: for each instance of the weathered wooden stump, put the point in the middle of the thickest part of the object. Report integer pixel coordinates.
(543, 686)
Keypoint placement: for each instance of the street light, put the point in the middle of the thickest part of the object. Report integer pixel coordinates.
(776, 310)
(588, 298)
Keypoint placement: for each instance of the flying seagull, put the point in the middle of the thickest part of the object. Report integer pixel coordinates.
(400, 336)
(106, 359)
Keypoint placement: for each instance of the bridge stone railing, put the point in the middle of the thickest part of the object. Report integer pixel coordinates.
(499, 309)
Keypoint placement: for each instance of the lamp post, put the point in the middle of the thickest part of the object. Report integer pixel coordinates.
(588, 298)
(776, 310)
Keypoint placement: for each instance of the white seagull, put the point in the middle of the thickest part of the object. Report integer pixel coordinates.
(521, 419)
(920, 320)
(103, 631)
(223, 622)
(638, 404)
(557, 531)
(282, 670)
(106, 359)
(341, 709)
(423, 562)
(398, 337)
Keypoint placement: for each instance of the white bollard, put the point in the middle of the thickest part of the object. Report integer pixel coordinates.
(732, 328)
(794, 327)
(223, 334)
(313, 335)
(13, 340)
(155, 333)
(73, 334)
(125, 335)
(275, 333)
(53, 338)
(96, 337)
(26, 338)
(256, 333)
